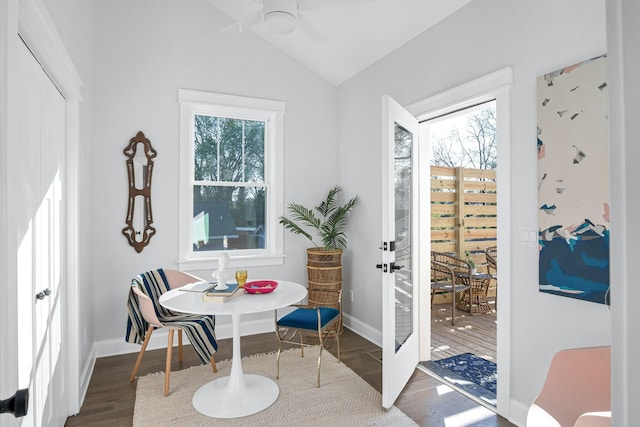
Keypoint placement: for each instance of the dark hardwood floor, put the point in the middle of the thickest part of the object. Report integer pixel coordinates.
(110, 397)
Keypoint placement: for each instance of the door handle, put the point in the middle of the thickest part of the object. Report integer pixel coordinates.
(42, 294)
(396, 267)
(18, 404)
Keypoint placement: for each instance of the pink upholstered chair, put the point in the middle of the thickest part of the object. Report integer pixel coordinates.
(146, 314)
(576, 392)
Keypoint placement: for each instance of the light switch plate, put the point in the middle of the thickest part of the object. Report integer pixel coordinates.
(529, 235)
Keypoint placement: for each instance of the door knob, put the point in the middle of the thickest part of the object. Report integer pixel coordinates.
(18, 404)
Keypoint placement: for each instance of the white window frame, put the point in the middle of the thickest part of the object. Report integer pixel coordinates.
(272, 112)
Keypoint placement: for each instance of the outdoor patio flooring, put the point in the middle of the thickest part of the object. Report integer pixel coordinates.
(473, 334)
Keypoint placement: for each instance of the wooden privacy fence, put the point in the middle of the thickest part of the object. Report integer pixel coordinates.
(463, 211)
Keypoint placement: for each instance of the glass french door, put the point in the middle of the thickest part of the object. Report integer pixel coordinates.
(399, 258)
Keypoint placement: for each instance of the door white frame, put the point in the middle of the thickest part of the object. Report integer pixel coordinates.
(398, 364)
(496, 86)
(30, 19)
(8, 339)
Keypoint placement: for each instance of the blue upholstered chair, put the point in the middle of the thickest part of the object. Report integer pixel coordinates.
(318, 323)
(146, 314)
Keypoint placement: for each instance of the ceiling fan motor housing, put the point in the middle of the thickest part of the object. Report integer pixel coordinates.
(280, 15)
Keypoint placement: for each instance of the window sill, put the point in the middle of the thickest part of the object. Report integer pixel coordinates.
(235, 261)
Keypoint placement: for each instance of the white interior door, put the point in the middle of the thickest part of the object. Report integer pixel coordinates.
(36, 196)
(399, 249)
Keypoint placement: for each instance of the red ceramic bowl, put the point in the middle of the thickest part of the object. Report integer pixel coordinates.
(260, 286)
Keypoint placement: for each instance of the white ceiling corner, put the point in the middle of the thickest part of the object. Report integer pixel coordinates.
(355, 33)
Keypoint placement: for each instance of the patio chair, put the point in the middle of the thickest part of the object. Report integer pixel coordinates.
(443, 280)
(316, 323)
(491, 254)
(146, 314)
(474, 299)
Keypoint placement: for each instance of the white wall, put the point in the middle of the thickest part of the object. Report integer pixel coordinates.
(484, 36)
(73, 20)
(133, 58)
(145, 50)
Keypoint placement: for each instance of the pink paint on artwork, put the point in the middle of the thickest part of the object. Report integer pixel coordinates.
(570, 68)
(541, 151)
(605, 215)
(572, 227)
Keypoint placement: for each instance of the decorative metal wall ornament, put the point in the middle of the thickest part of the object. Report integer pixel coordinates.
(140, 155)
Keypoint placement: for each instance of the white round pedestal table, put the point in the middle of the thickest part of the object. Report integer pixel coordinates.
(239, 394)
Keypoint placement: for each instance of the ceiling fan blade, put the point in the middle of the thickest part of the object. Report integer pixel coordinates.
(245, 24)
(309, 29)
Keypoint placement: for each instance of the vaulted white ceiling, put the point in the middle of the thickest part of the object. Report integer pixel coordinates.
(353, 34)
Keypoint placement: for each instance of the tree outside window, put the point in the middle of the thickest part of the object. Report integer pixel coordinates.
(229, 191)
(466, 138)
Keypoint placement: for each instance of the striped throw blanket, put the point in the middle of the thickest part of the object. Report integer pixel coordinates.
(199, 329)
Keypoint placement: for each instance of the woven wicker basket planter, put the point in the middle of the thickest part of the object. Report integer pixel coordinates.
(324, 269)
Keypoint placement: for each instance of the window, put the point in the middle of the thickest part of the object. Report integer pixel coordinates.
(230, 179)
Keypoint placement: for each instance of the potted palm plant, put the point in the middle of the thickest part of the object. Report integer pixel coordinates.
(324, 263)
(330, 228)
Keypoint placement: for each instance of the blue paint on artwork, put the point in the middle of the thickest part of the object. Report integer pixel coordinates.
(594, 262)
(566, 282)
(575, 267)
(548, 209)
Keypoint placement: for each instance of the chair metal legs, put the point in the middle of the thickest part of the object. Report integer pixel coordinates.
(319, 365)
(278, 359)
(289, 338)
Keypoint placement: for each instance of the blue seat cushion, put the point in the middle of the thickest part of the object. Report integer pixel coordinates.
(307, 318)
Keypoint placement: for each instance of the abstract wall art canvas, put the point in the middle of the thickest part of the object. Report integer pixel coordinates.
(573, 181)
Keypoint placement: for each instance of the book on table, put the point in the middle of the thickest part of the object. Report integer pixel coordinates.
(223, 295)
(203, 286)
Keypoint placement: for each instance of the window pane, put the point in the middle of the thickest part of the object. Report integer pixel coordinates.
(205, 149)
(228, 217)
(228, 150)
(254, 151)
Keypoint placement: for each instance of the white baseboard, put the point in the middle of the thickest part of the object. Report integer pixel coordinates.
(518, 413)
(362, 329)
(159, 338)
(87, 372)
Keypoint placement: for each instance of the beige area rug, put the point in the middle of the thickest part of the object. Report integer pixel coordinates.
(343, 399)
